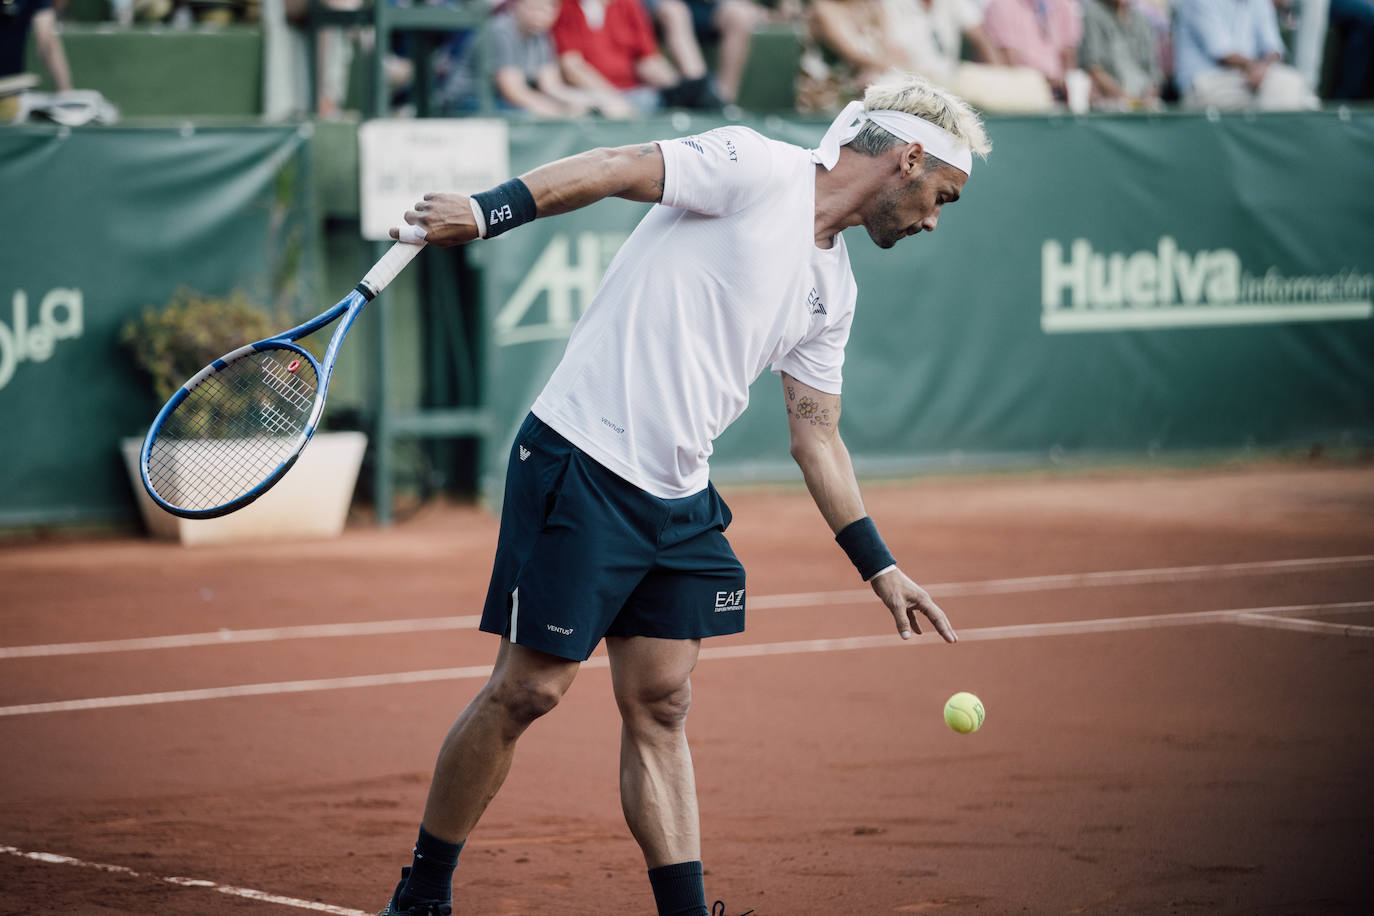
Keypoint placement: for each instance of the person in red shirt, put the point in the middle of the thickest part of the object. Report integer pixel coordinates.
(610, 44)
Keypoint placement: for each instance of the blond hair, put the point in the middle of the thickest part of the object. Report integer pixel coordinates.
(917, 96)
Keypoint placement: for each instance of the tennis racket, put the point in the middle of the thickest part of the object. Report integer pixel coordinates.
(238, 425)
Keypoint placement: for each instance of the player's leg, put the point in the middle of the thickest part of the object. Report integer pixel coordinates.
(477, 752)
(694, 590)
(473, 762)
(653, 690)
(535, 664)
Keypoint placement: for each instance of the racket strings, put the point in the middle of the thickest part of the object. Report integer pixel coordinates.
(233, 430)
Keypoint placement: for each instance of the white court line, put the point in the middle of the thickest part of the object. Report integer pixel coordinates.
(266, 634)
(940, 590)
(749, 650)
(245, 892)
(1304, 626)
(1078, 580)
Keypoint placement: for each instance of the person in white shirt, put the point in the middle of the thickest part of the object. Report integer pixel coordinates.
(610, 527)
(932, 34)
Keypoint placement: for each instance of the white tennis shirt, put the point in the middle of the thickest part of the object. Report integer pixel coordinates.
(717, 282)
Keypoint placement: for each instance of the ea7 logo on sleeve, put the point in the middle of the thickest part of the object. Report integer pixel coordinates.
(694, 144)
(729, 601)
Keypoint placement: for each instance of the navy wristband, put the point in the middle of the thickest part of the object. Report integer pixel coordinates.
(506, 206)
(865, 548)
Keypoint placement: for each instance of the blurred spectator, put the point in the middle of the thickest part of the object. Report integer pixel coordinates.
(523, 67)
(608, 46)
(932, 34)
(17, 17)
(1040, 34)
(1160, 15)
(1355, 20)
(848, 47)
(1229, 55)
(688, 26)
(1120, 54)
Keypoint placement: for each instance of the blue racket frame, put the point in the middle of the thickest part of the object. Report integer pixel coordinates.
(346, 311)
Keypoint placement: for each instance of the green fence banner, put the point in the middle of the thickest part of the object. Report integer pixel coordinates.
(1106, 286)
(98, 224)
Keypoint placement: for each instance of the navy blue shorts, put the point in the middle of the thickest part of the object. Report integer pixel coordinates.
(583, 554)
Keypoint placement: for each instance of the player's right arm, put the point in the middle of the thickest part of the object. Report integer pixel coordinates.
(628, 172)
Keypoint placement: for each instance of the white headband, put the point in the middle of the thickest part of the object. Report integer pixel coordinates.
(937, 141)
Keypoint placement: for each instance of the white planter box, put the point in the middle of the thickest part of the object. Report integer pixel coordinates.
(311, 501)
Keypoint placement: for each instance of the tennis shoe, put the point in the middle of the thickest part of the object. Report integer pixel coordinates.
(423, 908)
(718, 909)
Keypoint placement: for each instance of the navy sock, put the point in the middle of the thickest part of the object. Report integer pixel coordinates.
(678, 889)
(431, 874)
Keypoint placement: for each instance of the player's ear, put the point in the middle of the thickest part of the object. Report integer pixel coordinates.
(913, 159)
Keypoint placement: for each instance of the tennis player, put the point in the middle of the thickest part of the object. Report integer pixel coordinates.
(610, 527)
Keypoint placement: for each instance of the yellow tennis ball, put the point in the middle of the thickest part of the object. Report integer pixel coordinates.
(964, 713)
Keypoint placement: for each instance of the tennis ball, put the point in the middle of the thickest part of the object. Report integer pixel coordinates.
(964, 713)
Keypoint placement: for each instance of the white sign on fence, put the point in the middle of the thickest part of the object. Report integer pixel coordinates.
(399, 160)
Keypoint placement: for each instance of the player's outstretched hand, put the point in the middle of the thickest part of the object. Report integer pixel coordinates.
(440, 219)
(908, 602)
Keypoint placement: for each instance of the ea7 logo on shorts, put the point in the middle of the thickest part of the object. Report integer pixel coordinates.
(729, 601)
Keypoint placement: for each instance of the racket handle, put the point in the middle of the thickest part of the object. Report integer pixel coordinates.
(391, 264)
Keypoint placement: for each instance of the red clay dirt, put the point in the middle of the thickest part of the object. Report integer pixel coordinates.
(1221, 767)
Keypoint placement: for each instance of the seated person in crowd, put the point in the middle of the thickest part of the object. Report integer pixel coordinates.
(932, 33)
(1160, 15)
(848, 47)
(17, 19)
(688, 26)
(1355, 66)
(609, 46)
(1040, 34)
(1229, 53)
(1120, 54)
(523, 68)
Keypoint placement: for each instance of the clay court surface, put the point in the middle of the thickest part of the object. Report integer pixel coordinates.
(1175, 666)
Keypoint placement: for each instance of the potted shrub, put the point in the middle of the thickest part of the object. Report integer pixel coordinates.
(172, 343)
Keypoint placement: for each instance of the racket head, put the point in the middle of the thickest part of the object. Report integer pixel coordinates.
(231, 432)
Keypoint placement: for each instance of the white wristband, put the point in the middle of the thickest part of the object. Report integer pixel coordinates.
(479, 217)
(885, 569)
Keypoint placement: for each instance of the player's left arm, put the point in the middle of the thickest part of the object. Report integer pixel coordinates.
(813, 418)
(628, 172)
